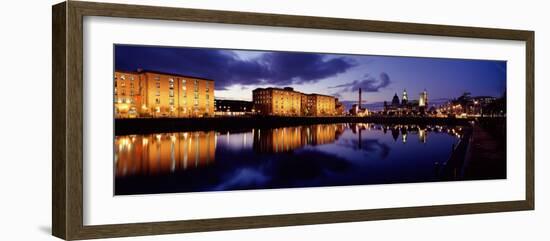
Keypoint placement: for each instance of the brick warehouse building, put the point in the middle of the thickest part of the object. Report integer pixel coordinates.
(288, 102)
(157, 94)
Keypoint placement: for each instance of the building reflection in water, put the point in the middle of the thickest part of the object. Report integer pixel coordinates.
(162, 153)
(286, 139)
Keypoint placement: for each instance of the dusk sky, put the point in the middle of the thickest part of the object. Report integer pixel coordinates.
(237, 72)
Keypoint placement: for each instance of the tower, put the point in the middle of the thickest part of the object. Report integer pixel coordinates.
(423, 100)
(359, 104)
(426, 97)
(405, 98)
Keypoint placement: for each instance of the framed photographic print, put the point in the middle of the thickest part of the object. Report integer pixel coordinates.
(170, 120)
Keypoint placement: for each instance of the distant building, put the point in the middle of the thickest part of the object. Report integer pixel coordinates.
(340, 109)
(318, 105)
(407, 107)
(157, 94)
(357, 109)
(277, 101)
(233, 107)
(467, 106)
(423, 100)
(288, 102)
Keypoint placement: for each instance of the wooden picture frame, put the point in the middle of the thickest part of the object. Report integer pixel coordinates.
(67, 138)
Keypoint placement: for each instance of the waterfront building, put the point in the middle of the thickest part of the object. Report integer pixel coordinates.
(406, 107)
(277, 101)
(318, 105)
(288, 102)
(340, 109)
(157, 94)
(233, 107)
(468, 106)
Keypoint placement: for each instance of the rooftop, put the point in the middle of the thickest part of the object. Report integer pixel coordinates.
(141, 71)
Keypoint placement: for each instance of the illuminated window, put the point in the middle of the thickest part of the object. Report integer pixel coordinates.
(171, 83)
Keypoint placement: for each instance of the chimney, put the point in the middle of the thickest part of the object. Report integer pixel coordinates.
(359, 104)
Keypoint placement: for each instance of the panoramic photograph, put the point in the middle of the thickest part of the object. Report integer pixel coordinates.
(206, 119)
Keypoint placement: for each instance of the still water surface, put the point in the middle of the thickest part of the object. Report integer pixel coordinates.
(286, 157)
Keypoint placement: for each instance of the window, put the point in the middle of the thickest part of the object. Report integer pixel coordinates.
(171, 93)
(196, 85)
(171, 83)
(157, 100)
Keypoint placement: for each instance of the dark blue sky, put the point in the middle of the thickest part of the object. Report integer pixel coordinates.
(237, 72)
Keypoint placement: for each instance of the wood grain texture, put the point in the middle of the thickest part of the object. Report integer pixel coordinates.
(59, 178)
(530, 120)
(67, 136)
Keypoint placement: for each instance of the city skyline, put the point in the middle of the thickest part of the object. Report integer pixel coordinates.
(237, 72)
(203, 120)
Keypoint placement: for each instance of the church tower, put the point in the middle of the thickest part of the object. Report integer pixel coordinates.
(423, 101)
(405, 98)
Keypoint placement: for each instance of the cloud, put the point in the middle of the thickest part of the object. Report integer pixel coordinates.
(367, 84)
(226, 68)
